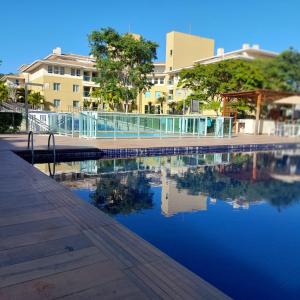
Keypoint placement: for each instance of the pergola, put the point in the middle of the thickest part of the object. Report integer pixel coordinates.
(258, 96)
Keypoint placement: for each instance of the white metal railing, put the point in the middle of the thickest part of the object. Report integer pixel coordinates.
(291, 130)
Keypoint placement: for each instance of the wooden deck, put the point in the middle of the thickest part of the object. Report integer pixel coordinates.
(54, 245)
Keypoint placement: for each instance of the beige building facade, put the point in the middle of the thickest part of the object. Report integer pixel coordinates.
(67, 79)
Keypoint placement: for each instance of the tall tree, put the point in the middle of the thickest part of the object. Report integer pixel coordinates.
(123, 63)
(283, 72)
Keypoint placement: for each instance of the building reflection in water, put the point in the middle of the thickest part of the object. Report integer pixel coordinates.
(188, 183)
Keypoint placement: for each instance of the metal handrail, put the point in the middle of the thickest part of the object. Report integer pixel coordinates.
(30, 141)
(51, 174)
(53, 143)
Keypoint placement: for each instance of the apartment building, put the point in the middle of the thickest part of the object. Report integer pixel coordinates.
(184, 51)
(67, 79)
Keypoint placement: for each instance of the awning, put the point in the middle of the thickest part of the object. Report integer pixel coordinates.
(292, 100)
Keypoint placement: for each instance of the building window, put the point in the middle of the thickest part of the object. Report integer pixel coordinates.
(86, 76)
(86, 91)
(73, 72)
(62, 71)
(171, 52)
(56, 103)
(157, 95)
(56, 70)
(76, 103)
(161, 80)
(17, 82)
(78, 73)
(147, 94)
(75, 88)
(146, 109)
(50, 69)
(56, 86)
(156, 80)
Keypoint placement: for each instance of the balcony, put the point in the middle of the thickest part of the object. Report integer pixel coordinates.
(86, 78)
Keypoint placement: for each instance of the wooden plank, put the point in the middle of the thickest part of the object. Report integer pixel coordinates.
(63, 284)
(26, 271)
(37, 237)
(43, 249)
(33, 226)
(118, 289)
(28, 217)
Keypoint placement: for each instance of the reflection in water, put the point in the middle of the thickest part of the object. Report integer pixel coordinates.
(119, 193)
(232, 218)
(187, 182)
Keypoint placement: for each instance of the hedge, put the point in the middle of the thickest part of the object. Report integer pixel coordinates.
(10, 121)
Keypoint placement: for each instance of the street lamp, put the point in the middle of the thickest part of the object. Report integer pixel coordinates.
(26, 101)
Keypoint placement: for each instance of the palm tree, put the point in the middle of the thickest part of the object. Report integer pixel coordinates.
(161, 100)
(35, 99)
(172, 107)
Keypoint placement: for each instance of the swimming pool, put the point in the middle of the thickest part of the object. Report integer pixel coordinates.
(232, 218)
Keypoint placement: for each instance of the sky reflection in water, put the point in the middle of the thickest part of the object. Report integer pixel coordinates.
(231, 218)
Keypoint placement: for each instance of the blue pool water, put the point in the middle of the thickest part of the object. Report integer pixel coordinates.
(233, 219)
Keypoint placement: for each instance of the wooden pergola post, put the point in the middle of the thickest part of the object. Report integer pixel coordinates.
(224, 106)
(257, 116)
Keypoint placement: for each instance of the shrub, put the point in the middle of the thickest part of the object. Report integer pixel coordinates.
(10, 121)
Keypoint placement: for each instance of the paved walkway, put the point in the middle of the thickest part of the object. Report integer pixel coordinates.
(54, 245)
(65, 142)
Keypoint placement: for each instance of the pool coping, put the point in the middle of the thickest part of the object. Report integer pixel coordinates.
(75, 154)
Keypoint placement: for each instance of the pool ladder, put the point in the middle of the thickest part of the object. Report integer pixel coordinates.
(30, 145)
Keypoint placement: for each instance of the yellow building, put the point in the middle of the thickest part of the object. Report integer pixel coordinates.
(68, 78)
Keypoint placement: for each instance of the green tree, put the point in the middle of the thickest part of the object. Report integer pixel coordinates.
(96, 93)
(3, 92)
(283, 72)
(161, 100)
(123, 63)
(207, 82)
(35, 99)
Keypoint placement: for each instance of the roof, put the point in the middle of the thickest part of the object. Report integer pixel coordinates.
(240, 53)
(292, 100)
(253, 94)
(63, 59)
(248, 54)
(12, 76)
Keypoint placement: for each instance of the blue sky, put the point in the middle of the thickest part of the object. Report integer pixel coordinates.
(31, 29)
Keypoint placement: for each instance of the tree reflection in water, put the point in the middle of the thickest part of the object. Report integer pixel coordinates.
(123, 193)
(235, 181)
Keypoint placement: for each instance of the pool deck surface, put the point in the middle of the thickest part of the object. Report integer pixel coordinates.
(54, 245)
(19, 142)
